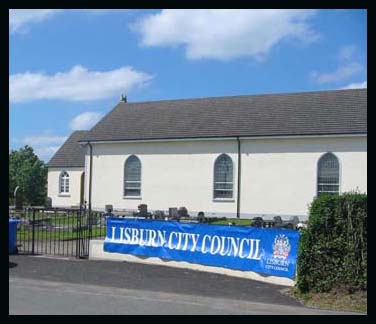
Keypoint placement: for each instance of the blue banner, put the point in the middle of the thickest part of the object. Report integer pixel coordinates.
(264, 250)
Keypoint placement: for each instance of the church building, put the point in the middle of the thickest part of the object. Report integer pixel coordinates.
(237, 156)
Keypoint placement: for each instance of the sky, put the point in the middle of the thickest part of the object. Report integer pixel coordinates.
(69, 67)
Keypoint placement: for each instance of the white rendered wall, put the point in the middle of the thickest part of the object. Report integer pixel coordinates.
(278, 175)
(64, 200)
(173, 174)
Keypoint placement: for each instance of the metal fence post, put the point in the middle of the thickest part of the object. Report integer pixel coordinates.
(33, 233)
(91, 217)
(79, 233)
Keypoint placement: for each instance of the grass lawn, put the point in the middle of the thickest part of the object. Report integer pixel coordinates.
(334, 300)
(235, 221)
(42, 234)
(63, 227)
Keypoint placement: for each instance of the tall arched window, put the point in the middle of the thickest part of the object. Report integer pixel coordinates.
(64, 182)
(328, 174)
(132, 177)
(223, 177)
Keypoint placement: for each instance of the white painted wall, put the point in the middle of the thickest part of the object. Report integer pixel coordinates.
(64, 200)
(173, 174)
(278, 175)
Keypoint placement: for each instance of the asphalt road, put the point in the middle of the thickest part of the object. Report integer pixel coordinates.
(40, 285)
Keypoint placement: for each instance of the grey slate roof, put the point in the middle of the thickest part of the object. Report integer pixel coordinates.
(304, 113)
(71, 153)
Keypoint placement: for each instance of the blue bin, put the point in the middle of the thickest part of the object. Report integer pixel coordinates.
(13, 235)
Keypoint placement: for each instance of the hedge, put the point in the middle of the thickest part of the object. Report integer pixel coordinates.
(333, 248)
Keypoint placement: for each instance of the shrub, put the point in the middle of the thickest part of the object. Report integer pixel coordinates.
(333, 249)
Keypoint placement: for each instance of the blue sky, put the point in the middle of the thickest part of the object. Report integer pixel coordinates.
(68, 68)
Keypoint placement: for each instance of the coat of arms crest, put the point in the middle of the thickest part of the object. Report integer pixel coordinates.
(281, 247)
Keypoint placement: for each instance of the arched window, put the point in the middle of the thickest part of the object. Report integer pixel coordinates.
(223, 177)
(328, 174)
(64, 182)
(132, 177)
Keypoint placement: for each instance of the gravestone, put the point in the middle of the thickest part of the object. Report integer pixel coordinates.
(108, 209)
(18, 198)
(143, 210)
(48, 202)
(201, 217)
(173, 212)
(183, 212)
(159, 214)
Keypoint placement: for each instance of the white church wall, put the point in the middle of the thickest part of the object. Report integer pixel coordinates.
(278, 175)
(173, 174)
(64, 200)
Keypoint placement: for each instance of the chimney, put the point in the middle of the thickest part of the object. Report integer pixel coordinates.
(123, 98)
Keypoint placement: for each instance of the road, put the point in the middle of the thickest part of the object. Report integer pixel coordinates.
(56, 286)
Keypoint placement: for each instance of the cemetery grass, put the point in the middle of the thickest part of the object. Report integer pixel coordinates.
(234, 221)
(43, 234)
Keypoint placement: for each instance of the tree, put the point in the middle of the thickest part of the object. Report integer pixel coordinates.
(28, 172)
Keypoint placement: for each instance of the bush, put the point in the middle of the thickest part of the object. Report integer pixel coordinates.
(333, 249)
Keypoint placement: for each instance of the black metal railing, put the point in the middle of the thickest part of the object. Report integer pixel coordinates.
(57, 231)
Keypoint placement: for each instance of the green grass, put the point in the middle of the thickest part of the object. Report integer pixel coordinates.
(42, 234)
(234, 221)
(57, 219)
(334, 300)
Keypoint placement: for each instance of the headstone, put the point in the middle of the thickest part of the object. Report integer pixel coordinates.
(109, 209)
(159, 214)
(182, 212)
(173, 212)
(201, 217)
(48, 202)
(294, 220)
(143, 210)
(18, 198)
(277, 221)
(257, 222)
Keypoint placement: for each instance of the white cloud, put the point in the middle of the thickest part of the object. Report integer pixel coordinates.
(358, 85)
(43, 139)
(341, 73)
(347, 52)
(46, 153)
(85, 120)
(224, 34)
(78, 84)
(45, 144)
(19, 18)
(348, 67)
(14, 140)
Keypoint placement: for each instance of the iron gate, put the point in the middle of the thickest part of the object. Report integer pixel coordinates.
(57, 231)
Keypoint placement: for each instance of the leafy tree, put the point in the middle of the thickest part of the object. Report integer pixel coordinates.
(28, 172)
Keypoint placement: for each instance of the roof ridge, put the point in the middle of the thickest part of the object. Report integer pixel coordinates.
(240, 96)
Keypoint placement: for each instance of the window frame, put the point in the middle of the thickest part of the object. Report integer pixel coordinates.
(224, 199)
(131, 181)
(339, 175)
(66, 179)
